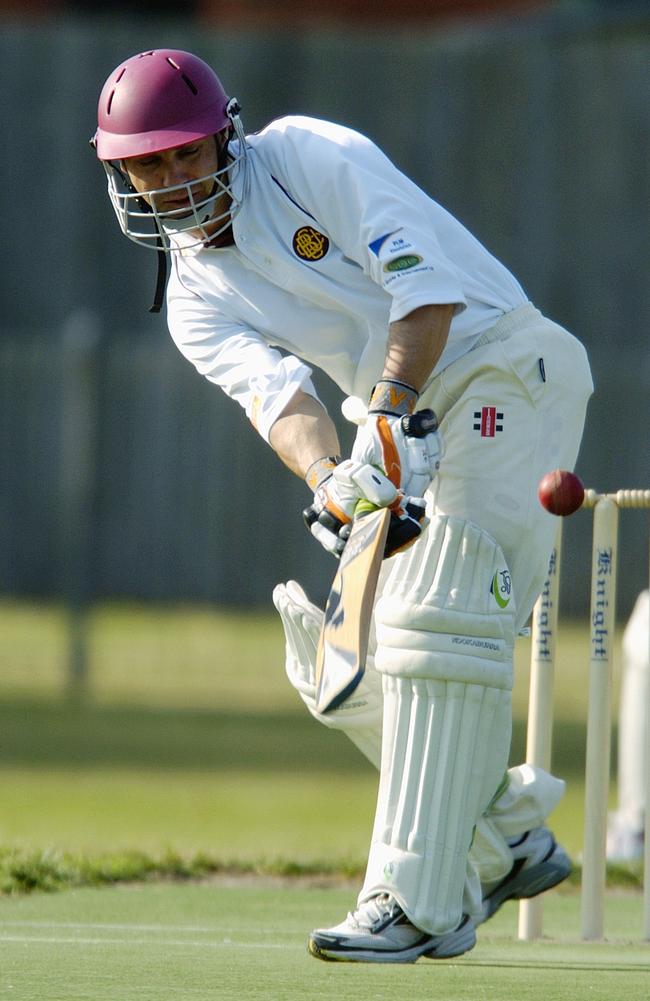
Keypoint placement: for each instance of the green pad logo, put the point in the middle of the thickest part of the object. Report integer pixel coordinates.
(501, 587)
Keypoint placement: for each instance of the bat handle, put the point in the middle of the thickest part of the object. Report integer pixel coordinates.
(363, 507)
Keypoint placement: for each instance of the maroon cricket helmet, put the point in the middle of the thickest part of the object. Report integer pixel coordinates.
(158, 100)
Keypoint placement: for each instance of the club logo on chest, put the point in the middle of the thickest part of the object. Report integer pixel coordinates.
(309, 244)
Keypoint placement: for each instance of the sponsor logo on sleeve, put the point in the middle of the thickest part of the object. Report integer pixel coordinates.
(403, 263)
(309, 244)
(376, 245)
(399, 245)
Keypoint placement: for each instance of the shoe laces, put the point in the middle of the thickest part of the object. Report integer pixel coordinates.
(377, 910)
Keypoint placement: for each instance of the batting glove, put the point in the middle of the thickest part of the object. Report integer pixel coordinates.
(406, 445)
(329, 518)
(336, 498)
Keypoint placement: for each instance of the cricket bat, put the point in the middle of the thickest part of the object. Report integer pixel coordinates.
(343, 642)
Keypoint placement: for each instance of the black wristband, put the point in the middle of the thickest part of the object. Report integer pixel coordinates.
(394, 398)
(319, 471)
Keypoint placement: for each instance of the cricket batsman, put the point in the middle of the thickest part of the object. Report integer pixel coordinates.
(304, 246)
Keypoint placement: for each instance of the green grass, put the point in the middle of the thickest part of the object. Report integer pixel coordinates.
(24, 870)
(202, 657)
(234, 783)
(185, 754)
(189, 739)
(239, 818)
(246, 942)
(151, 655)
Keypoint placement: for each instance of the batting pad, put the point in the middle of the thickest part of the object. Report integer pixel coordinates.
(444, 753)
(360, 716)
(447, 609)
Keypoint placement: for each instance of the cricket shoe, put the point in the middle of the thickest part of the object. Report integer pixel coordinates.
(539, 864)
(380, 932)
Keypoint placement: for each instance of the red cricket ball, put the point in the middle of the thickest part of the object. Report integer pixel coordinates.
(561, 492)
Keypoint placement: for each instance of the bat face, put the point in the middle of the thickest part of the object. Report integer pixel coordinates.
(343, 644)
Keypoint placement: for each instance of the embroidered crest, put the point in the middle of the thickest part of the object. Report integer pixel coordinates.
(309, 244)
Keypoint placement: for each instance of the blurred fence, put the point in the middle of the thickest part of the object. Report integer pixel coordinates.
(129, 475)
(123, 472)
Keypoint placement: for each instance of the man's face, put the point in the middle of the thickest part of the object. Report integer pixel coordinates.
(171, 167)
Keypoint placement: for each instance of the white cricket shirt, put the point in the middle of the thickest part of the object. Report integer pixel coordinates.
(332, 243)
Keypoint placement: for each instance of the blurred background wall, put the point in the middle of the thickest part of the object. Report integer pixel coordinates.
(122, 472)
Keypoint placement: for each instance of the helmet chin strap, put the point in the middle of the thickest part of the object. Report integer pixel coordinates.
(195, 220)
(161, 279)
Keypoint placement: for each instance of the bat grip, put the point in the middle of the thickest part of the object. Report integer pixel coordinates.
(363, 507)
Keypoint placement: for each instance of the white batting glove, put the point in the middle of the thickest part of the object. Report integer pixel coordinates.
(336, 498)
(404, 443)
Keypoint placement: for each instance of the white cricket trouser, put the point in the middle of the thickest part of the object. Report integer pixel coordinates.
(510, 410)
